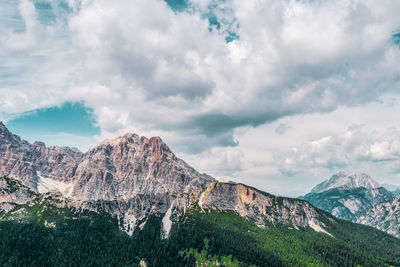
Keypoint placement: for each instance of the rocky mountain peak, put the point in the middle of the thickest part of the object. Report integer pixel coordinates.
(9, 139)
(131, 165)
(129, 143)
(125, 139)
(345, 181)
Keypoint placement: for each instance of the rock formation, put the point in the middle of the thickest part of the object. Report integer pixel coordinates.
(131, 177)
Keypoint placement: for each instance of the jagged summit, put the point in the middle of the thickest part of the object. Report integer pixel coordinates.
(345, 181)
(12, 140)
(155, 144)
(128, 137)
(130, 165)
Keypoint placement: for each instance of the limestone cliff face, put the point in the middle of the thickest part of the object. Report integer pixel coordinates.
(16, 158)
(58, 163)
(133, 176)
(131, 165)
(259, 206)
(26, 162)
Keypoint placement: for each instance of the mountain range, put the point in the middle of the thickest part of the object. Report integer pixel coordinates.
(132, 199)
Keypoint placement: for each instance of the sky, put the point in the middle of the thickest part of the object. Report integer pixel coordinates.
(279, 95)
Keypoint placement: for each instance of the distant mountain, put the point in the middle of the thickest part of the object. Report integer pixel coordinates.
(59, 206)
(347, 196)
(344, 181)
(385, 217)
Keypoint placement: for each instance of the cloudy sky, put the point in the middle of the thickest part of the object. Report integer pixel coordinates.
(277, 94)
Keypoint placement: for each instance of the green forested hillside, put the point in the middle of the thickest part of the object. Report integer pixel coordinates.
(72, 238)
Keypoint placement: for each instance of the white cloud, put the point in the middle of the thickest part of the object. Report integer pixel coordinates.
(37, 62)
(292, 57)
(171, 72)
(348, 149)
(143, 67)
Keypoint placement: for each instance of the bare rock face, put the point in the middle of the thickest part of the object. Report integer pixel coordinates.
(130, 165)
(26, 162)
(12, 140)
(259, 206)
(385, 217)
(133, 176)
(58, 163)
(16, 158)
(13, 192)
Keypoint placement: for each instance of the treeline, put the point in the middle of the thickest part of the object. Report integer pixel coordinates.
(228, 234)
(85, 242)
(95, 240)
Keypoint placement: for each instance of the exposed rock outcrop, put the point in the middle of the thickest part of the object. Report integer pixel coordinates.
(131, 165)
(385, 217)
(259, 206)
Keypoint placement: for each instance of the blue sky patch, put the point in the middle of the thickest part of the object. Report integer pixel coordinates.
(68, 119)
(215, 24)
(177, 5)
(45, 12)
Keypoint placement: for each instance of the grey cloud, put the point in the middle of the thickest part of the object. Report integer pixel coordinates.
(214, 124)
(282, 128)
(188, 86)
(198, 143)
